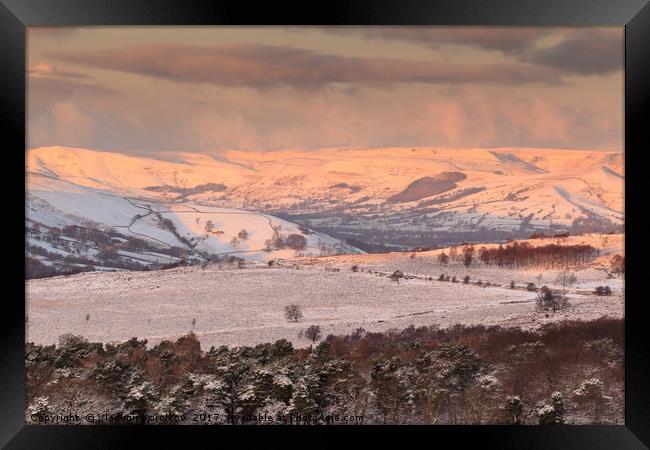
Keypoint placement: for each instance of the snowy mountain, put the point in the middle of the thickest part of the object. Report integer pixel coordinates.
(372, 198)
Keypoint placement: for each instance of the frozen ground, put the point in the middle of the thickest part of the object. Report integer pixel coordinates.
(426, 263)
(245, 306)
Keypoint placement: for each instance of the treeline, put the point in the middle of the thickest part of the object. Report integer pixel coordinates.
(85, 238)
(88, 234)
(184, 192)
(280, 240)
(37, 269)
(543, 235)
(137, 244)
(569, 372)
(59, 264)
(525, 255)
(73, 262)
(168, 224)
(80, 249)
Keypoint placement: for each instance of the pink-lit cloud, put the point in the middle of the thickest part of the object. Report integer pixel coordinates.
(503, 39)
(149, 95)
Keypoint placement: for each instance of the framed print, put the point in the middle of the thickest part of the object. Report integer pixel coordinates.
(387, 216)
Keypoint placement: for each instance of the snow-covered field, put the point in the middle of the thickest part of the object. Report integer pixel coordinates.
(245, 306)
(426, 263)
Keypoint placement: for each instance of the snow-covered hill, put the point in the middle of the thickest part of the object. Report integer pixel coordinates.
(72, 227)
(384, 198)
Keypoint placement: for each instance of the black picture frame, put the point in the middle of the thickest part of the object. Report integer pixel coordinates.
(16, 15)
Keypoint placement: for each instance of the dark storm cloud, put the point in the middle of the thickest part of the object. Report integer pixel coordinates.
(586, 54)
(264, 66)
(581, 51)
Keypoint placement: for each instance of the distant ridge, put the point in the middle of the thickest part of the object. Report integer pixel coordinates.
(383, 197)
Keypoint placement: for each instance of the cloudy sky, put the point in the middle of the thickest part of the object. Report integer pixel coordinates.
(154, 89)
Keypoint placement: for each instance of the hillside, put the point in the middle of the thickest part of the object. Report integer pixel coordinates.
(390, 197)
(73, 228)
(237, 304)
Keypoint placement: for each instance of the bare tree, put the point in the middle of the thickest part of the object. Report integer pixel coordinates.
(293, 313)
(209, 226)
(234, 241)
(296, 241)
(468, 255)
(313, 333)
(618, 264)
(443, 259)
(395, 276)
(566, 278)
(243, 234)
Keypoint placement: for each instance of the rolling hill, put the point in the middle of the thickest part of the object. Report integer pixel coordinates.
(373, 199)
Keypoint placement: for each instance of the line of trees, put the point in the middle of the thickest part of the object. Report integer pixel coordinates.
(547, 256)
(466, 255)
(37, 269)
